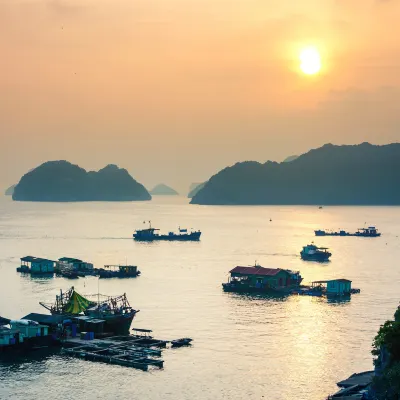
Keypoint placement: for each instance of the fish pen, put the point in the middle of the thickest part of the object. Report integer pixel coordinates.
(116, 350)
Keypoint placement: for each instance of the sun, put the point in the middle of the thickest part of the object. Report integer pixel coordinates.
(310, 61)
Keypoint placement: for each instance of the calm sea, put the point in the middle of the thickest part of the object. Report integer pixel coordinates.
(244, 347)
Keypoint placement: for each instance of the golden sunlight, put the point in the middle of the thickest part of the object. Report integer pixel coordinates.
(310, 61)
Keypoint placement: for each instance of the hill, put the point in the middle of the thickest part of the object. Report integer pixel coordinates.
(363, 174)
(195, 188)
(10, 190)
(163, 190)
(61, 181)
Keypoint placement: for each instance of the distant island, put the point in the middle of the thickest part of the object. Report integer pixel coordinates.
(195, 188)
(163, 190)
(61, 181)
(10, 190)
(362, 174)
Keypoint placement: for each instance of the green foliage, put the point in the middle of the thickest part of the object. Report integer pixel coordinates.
(387, 385)
(397, 315)
(380, 338)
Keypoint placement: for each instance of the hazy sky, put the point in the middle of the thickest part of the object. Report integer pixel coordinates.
(174, 90)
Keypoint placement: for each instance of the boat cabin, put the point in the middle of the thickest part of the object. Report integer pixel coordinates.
(265, 278)
(312, 249)
(36, 265)
(370, 231)
(336, 287)
(128, 269)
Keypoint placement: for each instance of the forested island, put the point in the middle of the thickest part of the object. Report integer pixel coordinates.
(163, 190)
(61, 181)
(363, 174)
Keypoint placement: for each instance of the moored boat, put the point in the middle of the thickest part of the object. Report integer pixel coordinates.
(118, 271)
(151, 234)
(116, 311)
(314, 253)
(260, 279)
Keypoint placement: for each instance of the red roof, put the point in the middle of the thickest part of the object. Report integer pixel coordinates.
(255, 271)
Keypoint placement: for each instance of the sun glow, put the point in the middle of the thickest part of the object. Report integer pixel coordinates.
(310, 61)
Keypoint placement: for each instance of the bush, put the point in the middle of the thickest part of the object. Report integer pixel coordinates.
(387, 385)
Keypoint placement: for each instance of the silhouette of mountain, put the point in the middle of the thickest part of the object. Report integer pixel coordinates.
(10, 190)
(363, 174)
(195, 188)
(63, 181)
(290, 158)
(163, 190)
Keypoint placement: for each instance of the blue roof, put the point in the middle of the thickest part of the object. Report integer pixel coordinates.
(35, 259)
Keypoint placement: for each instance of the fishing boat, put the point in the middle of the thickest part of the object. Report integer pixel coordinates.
(151, 234)
(260, 279)
(371, 231)
(314, 253)
(116, 312)
(181, 342)
(118, 271)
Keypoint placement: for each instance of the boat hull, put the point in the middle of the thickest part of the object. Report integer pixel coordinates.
(320, 257)
(228, 287)
(118, 324)
(346, 234)
(116, 274)
(190, 237)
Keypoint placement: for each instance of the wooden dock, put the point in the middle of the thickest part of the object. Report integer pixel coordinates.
(141, 352)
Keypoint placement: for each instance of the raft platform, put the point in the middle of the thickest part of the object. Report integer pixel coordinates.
(135, 351)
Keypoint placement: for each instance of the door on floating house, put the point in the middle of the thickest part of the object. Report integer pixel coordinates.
(259, 282)
(280, 282)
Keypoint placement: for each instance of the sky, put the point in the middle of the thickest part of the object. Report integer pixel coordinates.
(175, 90)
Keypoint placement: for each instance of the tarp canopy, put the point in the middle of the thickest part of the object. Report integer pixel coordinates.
(77, 304)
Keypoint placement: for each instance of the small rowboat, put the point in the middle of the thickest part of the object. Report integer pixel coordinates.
(181, 342)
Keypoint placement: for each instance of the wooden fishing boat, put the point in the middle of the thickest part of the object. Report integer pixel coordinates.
(181, 342)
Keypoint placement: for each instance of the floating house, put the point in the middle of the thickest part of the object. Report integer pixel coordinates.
(6, 336)
(34, 265)
(24, 333)
(74, 264)
(334, 287)
(259, 279)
